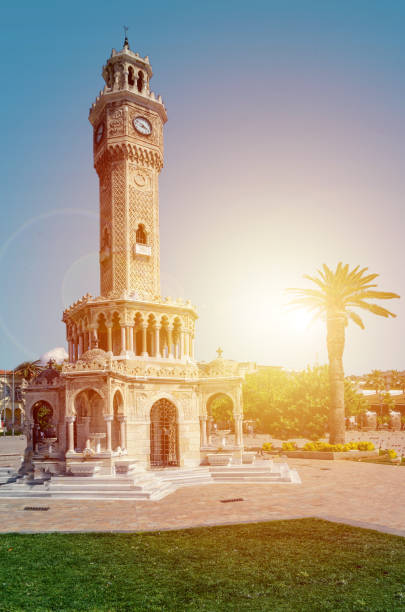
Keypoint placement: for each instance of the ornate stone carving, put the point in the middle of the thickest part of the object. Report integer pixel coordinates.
(116, 122)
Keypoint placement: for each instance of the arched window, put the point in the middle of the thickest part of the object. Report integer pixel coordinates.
(141, 234)
(131, 76)
(139, 82)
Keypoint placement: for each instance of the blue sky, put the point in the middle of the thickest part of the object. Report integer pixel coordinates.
(284, 149)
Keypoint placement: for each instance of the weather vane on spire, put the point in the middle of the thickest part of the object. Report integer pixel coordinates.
(126, 43)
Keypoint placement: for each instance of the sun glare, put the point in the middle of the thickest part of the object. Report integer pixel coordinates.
(299, 320)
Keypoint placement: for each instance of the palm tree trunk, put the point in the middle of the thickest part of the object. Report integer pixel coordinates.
(336, 343)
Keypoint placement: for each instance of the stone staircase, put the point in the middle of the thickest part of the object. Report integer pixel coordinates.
(10, 463)
(149, 485)
(277, 473)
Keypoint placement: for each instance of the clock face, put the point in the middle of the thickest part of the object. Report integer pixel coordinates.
(142, 126)
(99, 132)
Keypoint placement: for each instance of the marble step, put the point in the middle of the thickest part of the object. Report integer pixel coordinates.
(92, 487)
(239, 474)
(10, 460)
(108, 493)
(247, 468)
(100, 480)
(7, 474)
(148, 485)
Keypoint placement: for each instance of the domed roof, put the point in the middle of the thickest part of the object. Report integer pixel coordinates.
(94, 354)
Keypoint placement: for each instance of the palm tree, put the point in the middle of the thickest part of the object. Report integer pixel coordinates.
(395, 380)
(337, 293)
(375, 380)
(28, 369)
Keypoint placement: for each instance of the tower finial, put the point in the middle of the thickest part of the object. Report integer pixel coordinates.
(126, 43)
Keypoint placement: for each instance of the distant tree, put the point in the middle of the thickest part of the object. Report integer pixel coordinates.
(294, 404)
(336, 294)
(375, 380)
(355, 402)
(396, 380)
(221, 409)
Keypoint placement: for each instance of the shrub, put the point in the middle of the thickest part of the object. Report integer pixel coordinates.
(267, 446)
(289, 446)
(389, 452)
(351, 446)
(338, 448)
(367, 446)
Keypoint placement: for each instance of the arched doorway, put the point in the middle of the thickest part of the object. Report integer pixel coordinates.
(42, 414)
(164, 444)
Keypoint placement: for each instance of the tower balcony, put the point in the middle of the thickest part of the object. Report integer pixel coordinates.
(130, 329)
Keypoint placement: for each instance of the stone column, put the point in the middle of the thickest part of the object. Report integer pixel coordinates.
(208, 429)
(144, 343)
(123, 341)
(35, 435)
(123, 432)
(191, 346)
(109, 337)
(152, 344)
(29, 432)
(182, 344)
(71, 434)
(170, 342)
(238, 430)
(75, 346)
(108, 419)
(131, 338)
(203, 430)
(157, 341)
(95, 338)
(80, 349)
(70, 350)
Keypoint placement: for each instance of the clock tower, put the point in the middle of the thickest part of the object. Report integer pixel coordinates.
(131, 385)
(127, 120)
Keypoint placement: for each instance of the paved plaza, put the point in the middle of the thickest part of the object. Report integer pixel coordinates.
(362, 494)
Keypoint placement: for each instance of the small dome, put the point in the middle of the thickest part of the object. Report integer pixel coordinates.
(95, 354)
(221, 367)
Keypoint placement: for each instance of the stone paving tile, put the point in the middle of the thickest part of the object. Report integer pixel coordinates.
(357, 493)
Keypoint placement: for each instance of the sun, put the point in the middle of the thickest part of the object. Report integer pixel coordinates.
(299, 320)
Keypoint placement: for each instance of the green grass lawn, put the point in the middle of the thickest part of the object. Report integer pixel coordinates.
(302, 565)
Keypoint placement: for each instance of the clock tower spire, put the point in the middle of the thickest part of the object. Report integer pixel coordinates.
(127, 120)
